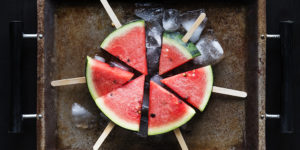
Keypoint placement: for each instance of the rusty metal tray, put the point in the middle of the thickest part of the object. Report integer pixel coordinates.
(73, 29)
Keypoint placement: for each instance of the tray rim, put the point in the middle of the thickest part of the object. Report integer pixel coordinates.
(261, 47)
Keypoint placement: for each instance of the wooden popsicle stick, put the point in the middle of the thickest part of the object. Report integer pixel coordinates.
(104, 135)
(79, 80)
(117, 24)
(180, 139)
(230, 92)
(69, 81)
(111, 14)
(189, 34)
(186, 37)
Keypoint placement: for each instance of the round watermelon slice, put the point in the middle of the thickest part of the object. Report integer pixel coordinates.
(195, 86)
(128, 43)
(175, 52)
(123, 105)
(166, 111)
(102, 78)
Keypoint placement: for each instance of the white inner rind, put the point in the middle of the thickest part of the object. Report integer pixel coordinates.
(121, 31)
(209, 86)
(100, 101)
(89, 79)
(171, 126)
(114, 118)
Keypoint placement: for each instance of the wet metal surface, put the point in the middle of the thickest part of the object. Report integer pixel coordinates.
(75, 29)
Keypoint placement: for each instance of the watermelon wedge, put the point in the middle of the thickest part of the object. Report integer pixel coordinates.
(102, 78)
(166, 111)
(128, 43)
(195, 86)
(123, 105)
(175, 52)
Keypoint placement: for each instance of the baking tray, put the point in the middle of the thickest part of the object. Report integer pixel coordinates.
(73, 29)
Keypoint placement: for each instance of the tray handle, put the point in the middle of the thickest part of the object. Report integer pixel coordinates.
(287, 99)
(15, 122)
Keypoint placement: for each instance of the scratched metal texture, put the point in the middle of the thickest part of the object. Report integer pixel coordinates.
(74, 29)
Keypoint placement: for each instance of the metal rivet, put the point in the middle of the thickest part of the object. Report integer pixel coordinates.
(40, 36)
(262, 36)
(32, 116)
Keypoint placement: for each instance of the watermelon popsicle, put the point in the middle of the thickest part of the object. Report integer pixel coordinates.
(108, 129)
(176, 50)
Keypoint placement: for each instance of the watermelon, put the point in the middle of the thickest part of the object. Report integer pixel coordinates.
(123, 105)
(128, 43)
(102, 78)
(166, 111)
(175, 52)
(195, 85)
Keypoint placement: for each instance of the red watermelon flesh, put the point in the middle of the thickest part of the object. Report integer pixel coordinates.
(195, 86)
(128, 43)
(102, 78)
(123, 105)
(166, 111)
(175, 52)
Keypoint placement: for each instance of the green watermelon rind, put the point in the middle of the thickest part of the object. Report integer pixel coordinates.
(121, 31)
(189, 50)
(99, 101)
(89, 81)
(167, 128)
(114, 118)
(210, 80)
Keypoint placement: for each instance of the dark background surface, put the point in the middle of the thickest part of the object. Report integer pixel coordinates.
(277, 10)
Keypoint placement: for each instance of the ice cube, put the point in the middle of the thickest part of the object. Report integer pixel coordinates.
(210, 49)
(153, 34)
(187, 20)
(119, 65)
(156, 78)
(170, 20)
(82, 118)
(99, 58)
(149, 14)
(153, 17)
(153, 55)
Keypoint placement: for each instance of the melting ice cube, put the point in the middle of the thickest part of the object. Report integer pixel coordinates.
(170, 20)
(188, 18)
(119, 65)
(149, 14)
(82, 118)
(153, 59)
(210, 49)
(156, 78)
(99, 58)
(153, 34)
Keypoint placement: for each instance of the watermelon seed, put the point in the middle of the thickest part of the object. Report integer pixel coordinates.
(139, 112)
(128, 60)
(115, 81)
(152, 115)
(111, 94)
(180, 102)
(184, 74)
(170, 59)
